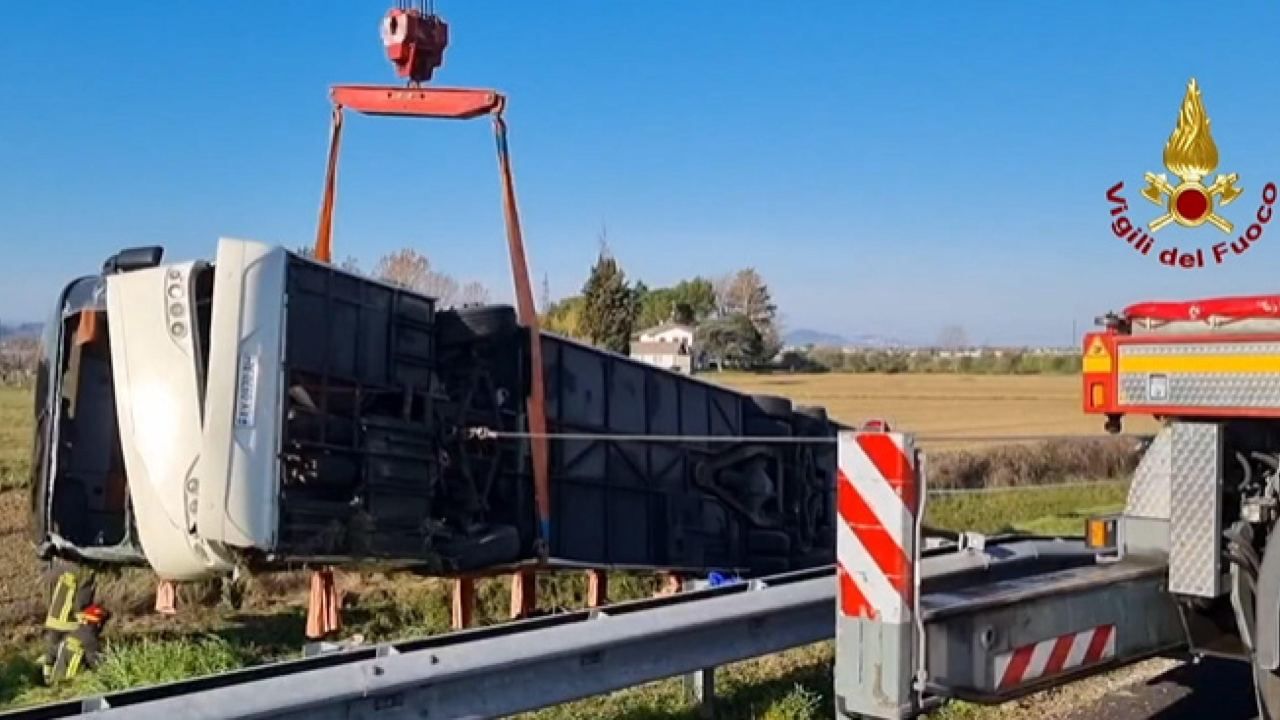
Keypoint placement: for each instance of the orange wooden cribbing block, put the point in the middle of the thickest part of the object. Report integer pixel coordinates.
(166, 598)
(597, 588)
(324, 605)
(524, 593)
(671, 584)
(464, 603)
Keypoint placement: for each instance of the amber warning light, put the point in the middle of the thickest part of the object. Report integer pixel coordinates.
(1100, 533)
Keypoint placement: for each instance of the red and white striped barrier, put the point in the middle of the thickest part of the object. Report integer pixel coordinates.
(1054, 656)
(877, 496)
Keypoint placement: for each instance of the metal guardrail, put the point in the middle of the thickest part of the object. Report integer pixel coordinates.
(498, 671)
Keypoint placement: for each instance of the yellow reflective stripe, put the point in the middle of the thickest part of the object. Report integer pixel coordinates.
(1099, 364)
(68, 583)
(64, 590)
(77, 652)
(1200, 364)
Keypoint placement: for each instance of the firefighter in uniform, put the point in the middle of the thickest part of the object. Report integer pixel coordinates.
(73, 625)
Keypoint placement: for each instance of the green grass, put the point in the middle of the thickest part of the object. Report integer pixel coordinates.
(157, 661)
(125, 665)
(15, 437)
(18, 679)
(1042, 509)
(794, 685)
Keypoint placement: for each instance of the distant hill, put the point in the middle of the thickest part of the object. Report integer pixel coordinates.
(876, 341)
(804, 336)
(24, 330)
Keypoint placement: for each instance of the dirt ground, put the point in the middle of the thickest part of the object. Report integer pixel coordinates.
(19, 573)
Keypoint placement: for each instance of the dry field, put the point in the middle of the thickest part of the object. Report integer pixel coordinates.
(942, 404)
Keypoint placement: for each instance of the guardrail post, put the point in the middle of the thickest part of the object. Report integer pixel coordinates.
(878, 499)
(699, 685)
(700, 688)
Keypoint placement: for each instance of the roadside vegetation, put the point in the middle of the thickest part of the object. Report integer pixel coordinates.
(967, 361)
(15, 437)
(210, 635)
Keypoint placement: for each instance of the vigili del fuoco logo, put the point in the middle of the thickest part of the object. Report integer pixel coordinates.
(1190, 155)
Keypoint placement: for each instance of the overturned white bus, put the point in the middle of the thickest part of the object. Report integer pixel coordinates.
(265, 410)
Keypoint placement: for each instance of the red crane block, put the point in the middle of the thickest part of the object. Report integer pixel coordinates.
(415, 42)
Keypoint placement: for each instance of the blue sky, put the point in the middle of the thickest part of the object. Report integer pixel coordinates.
(890, 168)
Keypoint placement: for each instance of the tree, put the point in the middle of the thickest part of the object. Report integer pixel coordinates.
(800, 361)
(698, 295)
(688, 302)
(351, 264)
(473, 293)
(19, 357)
(731, 341)
(565, 317)
(407, 268)
(441, 287)
(684, 314)
(745, 293)
(640, 294)
(953, 337)
(655, 307)
(609, 310)
(831, 358)
(412, 270)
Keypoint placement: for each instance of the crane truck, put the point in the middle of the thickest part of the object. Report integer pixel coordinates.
(1191, 565)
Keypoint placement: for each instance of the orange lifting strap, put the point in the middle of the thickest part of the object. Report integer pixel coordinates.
(458, 104)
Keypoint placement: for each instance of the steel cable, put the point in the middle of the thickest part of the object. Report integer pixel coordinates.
(483, 433)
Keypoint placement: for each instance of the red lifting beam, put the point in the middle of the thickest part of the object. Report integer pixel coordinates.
(445, 103)
(458, 104)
